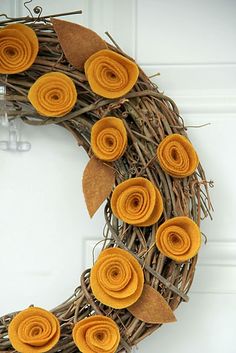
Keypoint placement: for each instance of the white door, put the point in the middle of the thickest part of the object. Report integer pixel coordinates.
(46, 234)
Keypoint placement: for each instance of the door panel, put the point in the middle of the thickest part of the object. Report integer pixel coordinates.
(46, 233)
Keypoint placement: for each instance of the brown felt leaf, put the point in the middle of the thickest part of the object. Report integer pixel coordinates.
(98, 180)
(78, 43)
(152, 308)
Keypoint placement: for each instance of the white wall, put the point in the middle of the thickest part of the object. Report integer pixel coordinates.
(46, 234)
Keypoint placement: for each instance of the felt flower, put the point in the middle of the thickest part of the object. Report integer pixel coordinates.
(117, 278)
(34, 330)
(109, 138)
(18, 48)
(176, 156)
(96, 334)
(53, 94)
(178, 238)
(110, 74)
(137, 201)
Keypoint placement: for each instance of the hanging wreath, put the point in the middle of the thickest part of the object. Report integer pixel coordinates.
(141, 162)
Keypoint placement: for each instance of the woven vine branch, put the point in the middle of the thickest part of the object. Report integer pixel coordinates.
(149, 116)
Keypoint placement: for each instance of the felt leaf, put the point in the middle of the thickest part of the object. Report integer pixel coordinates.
(98, 180)
(152, 307)
(78, 43)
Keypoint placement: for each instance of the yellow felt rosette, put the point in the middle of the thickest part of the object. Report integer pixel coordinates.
(117, 278)
(178, 238)
(137, 201)
(53, 94)
(34, 330)
(18, 48)
(177, 156)
(110, 74)
(96, 334)
(109, 138)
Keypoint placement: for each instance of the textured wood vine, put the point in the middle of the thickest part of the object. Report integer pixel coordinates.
(149, 116)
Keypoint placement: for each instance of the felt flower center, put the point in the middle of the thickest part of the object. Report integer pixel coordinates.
(177, 157)
(13, 55)
(55, 97)
(135, 203)
(36, 331)
(114, 275)
(176, 240)
(110, 74)
(11, 51)
(100, 337)
(109, 139)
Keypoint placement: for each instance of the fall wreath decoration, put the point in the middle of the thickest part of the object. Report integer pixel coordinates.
(141, 162)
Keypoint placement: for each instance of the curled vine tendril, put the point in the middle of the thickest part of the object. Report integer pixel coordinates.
(6, 16)
(27, 8)
(37, 10)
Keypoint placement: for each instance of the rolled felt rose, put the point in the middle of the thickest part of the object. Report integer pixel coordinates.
(178, 238)
(117, 278)
(34, 330)
(18, 48)
(137, 201)
(109, 138)
(177, 156)
(96, 334)
(110, 74)
(53, 94)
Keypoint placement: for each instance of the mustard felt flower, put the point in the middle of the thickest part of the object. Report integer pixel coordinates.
(110, 74)
(109, 138)
(34, 330)
(18, 48)
(96, 334)
(177, 156)
(117, 278)
(178, 238)
(137, 201)
(53, 94)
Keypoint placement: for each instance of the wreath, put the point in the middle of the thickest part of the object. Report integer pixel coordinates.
(141, 162)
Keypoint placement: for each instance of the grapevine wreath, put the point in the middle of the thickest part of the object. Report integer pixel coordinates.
(141, 162)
